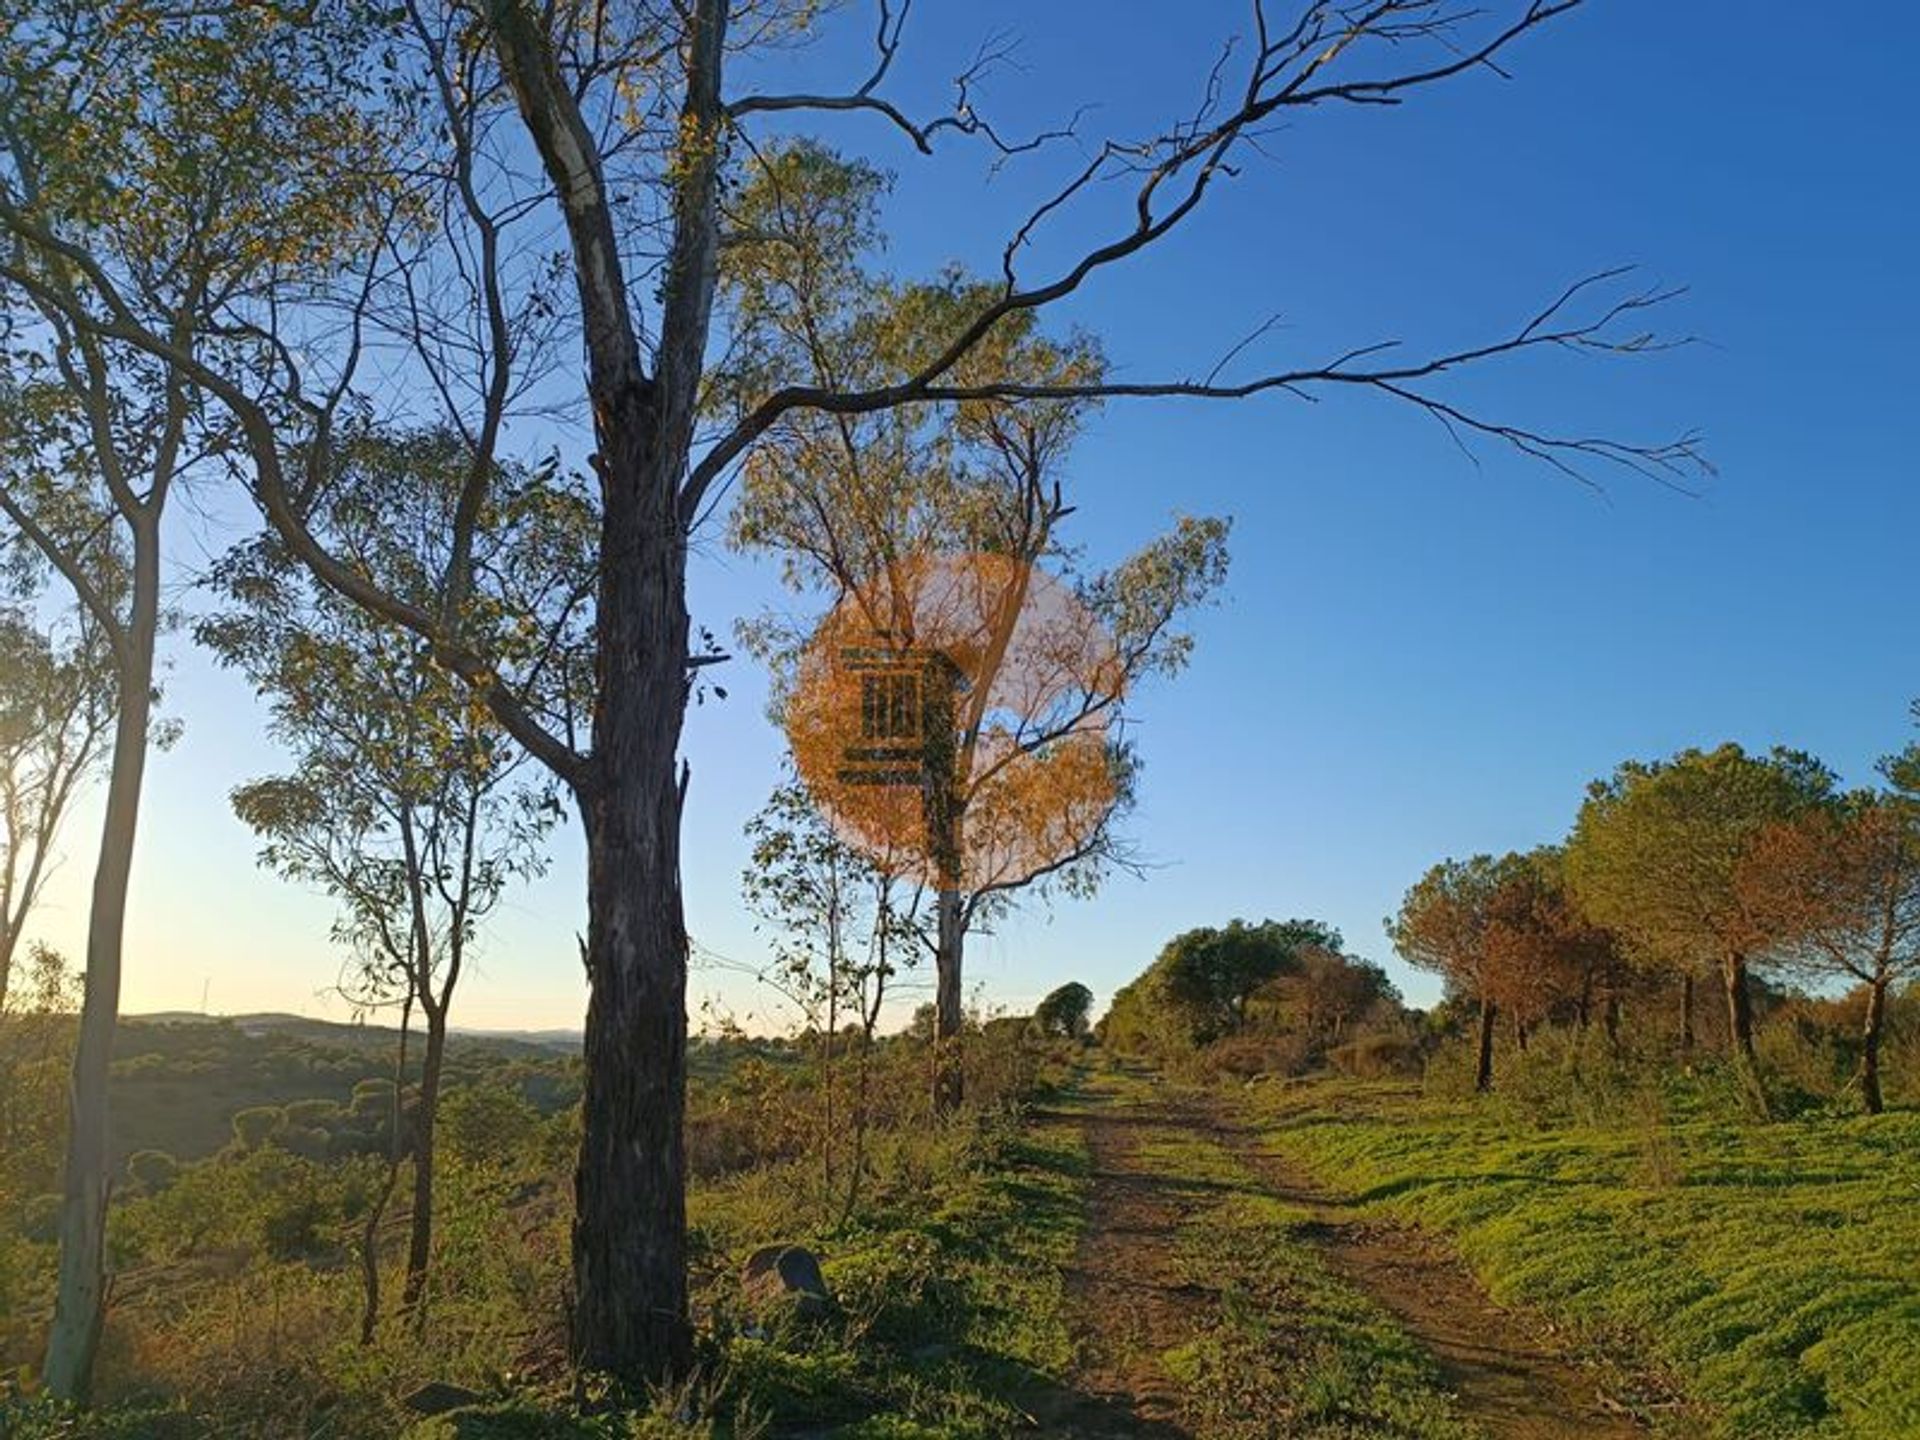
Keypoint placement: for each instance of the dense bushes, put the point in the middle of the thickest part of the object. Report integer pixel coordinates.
(1245, 1000)
(1377, 1057)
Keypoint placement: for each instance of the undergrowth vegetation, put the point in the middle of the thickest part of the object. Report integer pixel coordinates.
(238, 1286)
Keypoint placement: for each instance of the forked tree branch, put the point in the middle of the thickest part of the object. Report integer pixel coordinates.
(1294, 70)
(962, 120)
(270, 486)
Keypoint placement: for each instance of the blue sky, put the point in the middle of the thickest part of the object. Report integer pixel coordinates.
(1415, 656)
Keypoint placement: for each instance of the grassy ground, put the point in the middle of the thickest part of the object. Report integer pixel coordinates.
(951, 1281)
(1283, 1347)
(1774, 1268)
(1129, 1261)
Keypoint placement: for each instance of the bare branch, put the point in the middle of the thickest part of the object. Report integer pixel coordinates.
(1176, 168)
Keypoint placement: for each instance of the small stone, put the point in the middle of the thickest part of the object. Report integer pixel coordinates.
(776, 1275)
(437, 1398)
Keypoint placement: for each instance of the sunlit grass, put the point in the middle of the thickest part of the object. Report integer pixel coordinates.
(1774, 1268)
(1288, 1348)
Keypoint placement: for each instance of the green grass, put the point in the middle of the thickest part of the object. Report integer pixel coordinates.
(1774, 1269)
(950, 1280)
(1287, 1348)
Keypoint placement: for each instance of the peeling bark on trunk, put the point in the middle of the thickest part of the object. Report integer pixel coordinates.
(81, 1297)
(629, 1232)
(1483, 1073)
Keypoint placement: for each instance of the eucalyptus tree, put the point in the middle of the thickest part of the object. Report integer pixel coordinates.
(86, 490)
(407, 803)
(633, 128)
(158, 154)
(846, 921)
(1655, 856)
(887, 514)
(56, 707)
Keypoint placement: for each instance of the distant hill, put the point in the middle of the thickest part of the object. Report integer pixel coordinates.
(359, 1034)
(180, 1077)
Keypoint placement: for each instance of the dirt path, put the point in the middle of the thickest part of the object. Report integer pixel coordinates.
(1509, 1378)
(1512, 1377)
(1125, 1288)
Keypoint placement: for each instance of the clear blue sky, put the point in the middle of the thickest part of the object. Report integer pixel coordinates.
(1415, 657)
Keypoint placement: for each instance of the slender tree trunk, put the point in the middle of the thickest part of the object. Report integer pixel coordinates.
(1740, 1028)
(943, 810)
(81, 1297)
(826, 1054)
(1733, 973)
(426, 1115)
(1483, 1073)
(1520, 1034)
(1610, 1018)
(863, 1095)
(1870, 1047)
(863, 1083)
(629, 1234)
(9, 938)
(1686, 1013)
(376, 1212)
(949, 1070)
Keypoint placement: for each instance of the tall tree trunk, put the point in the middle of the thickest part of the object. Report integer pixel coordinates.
(1870, 1047)
(426, 1116)
(376, 1212)
(629, 1233)
(9, 938)
(80, 1300)
(1740, 1028)
(1686, 1013)
(1483, 1073)
(1733, 972)
(949, 1070)
(1611, 1019)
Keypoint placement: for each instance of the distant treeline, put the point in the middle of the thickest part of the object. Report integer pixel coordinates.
(1714, 911)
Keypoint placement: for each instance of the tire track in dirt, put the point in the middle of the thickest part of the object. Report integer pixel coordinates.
(1129, 1304)
(1510, 1374)
(1511, 1377)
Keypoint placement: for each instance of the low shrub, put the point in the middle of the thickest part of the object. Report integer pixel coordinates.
(1378, 1057)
